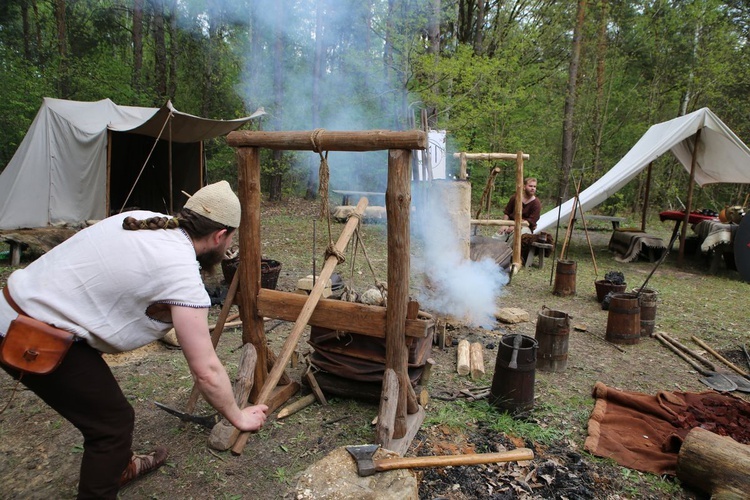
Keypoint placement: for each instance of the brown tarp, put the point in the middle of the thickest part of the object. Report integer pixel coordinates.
(645, 432)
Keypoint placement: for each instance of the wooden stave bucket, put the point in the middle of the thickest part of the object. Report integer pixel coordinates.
(552, 334)
(512, 389)
(603, 287)
(565, 278)
(647, 302)
(624, 319)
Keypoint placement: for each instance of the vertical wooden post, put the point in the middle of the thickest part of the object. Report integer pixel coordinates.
(397, 204)
(171, 181)
(686, 220)
(462, 172)
(517, 213)
(645, 197)
(248, 160)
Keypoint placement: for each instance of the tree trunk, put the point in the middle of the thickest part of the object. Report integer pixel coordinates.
(599, 107)
(173, 49)
(26, 31)
(570, 100)
(433, 35)
(62, 49)
(137, 43)
(160, 50)
(274, 189)
(479, 33)
(319, 61)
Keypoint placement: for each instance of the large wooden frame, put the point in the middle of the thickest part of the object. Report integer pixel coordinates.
(395, 428)
(519, 158)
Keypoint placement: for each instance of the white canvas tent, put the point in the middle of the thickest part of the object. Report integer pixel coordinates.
(84, 160)
(721, 157)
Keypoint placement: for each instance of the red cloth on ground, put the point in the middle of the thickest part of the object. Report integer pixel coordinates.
(645, 432)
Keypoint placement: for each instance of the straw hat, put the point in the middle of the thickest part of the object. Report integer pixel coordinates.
(218, 203)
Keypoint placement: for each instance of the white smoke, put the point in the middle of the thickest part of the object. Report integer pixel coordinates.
(463, 288)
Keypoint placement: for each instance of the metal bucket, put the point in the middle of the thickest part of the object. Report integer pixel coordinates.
(513, 388)
(647, 301)
(552, 333)
(624, 319)
(565, 278)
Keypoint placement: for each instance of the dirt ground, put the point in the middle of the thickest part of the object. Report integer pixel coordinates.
(40, 452)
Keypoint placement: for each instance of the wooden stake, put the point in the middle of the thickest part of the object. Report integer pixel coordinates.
(315, 388)
(298, 405)
(388, 406)
(585, 229)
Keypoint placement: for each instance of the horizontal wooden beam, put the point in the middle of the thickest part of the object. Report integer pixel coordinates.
(329, 140)
(490, 156)
(497, 222)
(335, 314)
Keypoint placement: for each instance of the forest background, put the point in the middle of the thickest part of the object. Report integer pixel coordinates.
(572, 83)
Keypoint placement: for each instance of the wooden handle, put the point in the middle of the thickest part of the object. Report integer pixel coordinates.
(684, 356)
(445, 460)
(719, 356)
(290, 344)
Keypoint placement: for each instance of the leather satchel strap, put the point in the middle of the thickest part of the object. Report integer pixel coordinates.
(11, 302)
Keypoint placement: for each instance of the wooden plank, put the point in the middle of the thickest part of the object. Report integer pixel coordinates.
(335, 314)
(329, 140)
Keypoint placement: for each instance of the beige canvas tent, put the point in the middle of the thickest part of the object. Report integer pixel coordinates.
(86, 160)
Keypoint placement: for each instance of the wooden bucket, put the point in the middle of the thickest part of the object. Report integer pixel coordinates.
(552, 333)
(603, 287)
(647, 301)
(565, 278)
(624, 319)
(513, 388)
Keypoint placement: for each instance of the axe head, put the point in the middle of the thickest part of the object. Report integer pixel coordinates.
(363, 455)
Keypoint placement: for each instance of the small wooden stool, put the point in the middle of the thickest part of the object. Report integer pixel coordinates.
(537, 248)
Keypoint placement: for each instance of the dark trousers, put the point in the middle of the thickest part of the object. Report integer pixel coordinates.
(84, 391)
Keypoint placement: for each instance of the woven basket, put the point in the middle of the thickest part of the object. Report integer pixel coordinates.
(270, 270)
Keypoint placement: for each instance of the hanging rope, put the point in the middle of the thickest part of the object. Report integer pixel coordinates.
(487, 193)
(325, 211)
(169, 117)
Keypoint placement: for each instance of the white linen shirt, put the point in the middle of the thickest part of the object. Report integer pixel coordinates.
(100, 283)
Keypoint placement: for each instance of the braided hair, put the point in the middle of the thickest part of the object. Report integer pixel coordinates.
(195, 225)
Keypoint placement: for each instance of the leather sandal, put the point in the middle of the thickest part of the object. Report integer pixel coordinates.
(140, 465)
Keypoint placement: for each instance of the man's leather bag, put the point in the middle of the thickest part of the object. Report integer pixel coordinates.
(34, 347)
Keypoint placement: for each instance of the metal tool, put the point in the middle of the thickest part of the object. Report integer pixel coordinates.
(713, 379)
(208, 422)
(367, 465)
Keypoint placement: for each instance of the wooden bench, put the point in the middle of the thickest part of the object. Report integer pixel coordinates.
(537, 248)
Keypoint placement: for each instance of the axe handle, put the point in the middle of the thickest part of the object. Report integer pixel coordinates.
(445, 460)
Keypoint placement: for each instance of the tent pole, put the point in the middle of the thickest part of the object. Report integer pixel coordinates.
(107, 201)
(689, 200)
(171, 192)
(645, 197)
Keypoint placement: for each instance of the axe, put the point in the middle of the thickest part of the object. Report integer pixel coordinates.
(208, 422)
(367, 465)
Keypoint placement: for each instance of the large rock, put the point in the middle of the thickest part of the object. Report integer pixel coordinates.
(512, 315)
(334, 477)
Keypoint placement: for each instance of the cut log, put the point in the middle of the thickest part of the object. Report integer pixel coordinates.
(224, 434)
(477, 360)
(716, 465)
(424, 380)
(463, 365)
(329, 140)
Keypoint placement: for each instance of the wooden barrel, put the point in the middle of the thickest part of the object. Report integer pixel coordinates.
(552, 332)
(624, 319)
(565, 278)
(513, 387)
(647, 301)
